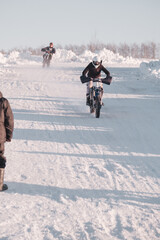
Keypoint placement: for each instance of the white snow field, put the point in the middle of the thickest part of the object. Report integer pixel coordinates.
(70, 175)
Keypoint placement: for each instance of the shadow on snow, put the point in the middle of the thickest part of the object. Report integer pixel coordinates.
(57, 194)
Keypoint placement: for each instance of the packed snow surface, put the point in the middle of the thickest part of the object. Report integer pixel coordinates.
(150, 69)
(70, 175)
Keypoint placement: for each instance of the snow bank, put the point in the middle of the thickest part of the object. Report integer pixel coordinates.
(112, 58)
(106, 55)
(63, 55)
(2, 58)
(10, 58)
(16, 57)
(150, 69)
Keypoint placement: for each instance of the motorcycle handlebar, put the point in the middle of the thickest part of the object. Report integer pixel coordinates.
(106, 80)
(96, 79)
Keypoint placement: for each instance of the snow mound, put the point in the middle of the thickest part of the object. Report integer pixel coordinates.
(63, 55)
(112, 58)
(2, 58)
(106, 55)
(16, 57)
(151, 68)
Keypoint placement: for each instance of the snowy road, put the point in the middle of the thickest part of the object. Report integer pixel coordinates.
(72, 176)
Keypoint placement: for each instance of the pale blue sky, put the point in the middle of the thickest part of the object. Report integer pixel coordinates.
(34, 23)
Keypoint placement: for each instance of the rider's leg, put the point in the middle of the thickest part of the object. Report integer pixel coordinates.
(89, 86)
(87, 95)
(2, 168)
(50, 57)
(49, 60)
(44, 59)
(102, 95)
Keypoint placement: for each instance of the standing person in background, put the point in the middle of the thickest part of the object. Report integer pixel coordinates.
(6, 132)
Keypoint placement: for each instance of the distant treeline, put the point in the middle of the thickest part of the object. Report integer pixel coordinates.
(149, 50)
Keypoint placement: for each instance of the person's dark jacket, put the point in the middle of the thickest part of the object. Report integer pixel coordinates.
(51, 50)
(94, 72)
(6, 120)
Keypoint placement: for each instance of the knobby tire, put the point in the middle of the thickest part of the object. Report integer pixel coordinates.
(98, 108)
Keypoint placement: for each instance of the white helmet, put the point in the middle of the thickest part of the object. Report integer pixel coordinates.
(96, 60)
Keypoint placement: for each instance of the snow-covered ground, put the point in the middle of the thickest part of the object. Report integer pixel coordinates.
(72, 176)
(150, 69)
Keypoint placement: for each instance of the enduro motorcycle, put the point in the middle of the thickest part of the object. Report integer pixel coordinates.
(96, 92)
(46, 59)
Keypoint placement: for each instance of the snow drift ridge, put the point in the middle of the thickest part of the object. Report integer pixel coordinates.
(63, 55)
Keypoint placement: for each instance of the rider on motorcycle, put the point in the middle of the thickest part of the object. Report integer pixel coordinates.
(93, 70)
(48, 50)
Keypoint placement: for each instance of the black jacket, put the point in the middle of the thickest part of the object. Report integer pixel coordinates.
(6, 120)
(50, 49)
(94, 72)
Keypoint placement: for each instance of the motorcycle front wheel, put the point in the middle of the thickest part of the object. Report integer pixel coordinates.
(98, 108)
(91, 106)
